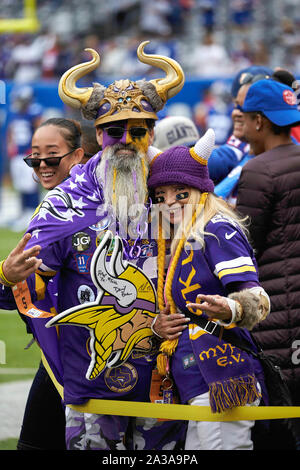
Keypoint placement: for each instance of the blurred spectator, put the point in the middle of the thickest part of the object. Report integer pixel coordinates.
(241, 12)
(215, 111)
(58, 56)
(89, 142)
(208, 13)
(226, 161)
(242, 54)
(26, 58)
(23, 118)
(113, 56)
(210, 59)
(173, 131)
(154, 17)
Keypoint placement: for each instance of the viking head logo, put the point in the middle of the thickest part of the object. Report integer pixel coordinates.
(119, 320)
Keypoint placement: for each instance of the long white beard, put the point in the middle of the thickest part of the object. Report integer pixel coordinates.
(124, 186)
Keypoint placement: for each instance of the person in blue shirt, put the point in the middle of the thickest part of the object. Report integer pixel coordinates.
(231, 156)
(227, 161)
(23, 118)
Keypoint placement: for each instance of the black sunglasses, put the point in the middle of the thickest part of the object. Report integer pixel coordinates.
(250, 78)
(117, 132)
(50, 161)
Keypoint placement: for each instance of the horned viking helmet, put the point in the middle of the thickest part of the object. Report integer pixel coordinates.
(123, 99)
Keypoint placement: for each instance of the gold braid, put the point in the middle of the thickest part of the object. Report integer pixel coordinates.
(161, 267)
(144, 176)
(168, 347)
(114, 186)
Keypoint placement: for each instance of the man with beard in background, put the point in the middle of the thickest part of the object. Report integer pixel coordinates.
(70, 223)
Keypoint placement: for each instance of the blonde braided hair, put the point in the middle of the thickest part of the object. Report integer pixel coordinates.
(168, 347)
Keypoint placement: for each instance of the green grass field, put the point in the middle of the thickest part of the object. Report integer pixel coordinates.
(12, 329)
(19, 363)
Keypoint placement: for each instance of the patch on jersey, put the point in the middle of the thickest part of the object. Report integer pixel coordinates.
(188, 361)
(85, 294)
(81, 241)
(147, 250)
(99, 239)
(121, 379)
(83, 262)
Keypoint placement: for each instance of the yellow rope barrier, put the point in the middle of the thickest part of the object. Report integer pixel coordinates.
(177, 412)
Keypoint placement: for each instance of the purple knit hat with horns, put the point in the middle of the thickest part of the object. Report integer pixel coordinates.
(184, 165)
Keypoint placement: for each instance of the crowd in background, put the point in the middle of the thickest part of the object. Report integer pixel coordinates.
(233, 34)
(212, 39)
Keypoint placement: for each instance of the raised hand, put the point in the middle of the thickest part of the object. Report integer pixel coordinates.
(215, 306)
(20, 263)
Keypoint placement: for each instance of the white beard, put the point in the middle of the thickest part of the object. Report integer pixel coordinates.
(125, 197)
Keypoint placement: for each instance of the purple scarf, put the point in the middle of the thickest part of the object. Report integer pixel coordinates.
(227, 370)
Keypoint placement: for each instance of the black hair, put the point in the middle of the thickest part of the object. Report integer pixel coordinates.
(285, 77)
(89, 141)
(70, 129)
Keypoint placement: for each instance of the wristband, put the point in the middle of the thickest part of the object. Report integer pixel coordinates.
(3, 279)
(236, 312)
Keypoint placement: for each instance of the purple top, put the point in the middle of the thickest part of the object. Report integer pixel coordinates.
(227, 262)
(72, 257)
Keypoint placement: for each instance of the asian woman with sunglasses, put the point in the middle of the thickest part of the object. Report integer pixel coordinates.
(56, 147)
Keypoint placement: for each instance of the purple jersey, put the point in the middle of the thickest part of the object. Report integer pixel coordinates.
(227, 258)
(72, 257)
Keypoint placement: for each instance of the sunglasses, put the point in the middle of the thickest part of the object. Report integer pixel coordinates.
(117, 132)
(250, 78)
(50, 161)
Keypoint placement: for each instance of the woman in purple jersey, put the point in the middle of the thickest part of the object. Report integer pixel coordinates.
(56, 147)
(212, 278)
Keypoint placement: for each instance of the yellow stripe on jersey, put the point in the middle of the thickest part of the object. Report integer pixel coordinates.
(242, 269)
(40, 287)
(46, 273)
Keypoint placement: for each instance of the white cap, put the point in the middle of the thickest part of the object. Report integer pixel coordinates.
(175, 130)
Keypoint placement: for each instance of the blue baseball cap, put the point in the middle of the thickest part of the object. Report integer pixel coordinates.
(275, 100)
(253, 70)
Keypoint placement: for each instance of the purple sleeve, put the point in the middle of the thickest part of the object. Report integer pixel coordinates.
(53, 257)
(238, 286)
(7, 301)
(229, 254)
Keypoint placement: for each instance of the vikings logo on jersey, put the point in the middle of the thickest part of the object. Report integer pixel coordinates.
(119, 319)
(72, 206)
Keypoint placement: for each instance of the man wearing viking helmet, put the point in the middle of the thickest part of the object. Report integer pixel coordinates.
(72, 220)
(124, 114)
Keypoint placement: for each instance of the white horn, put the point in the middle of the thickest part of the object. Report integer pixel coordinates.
(205, 145)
